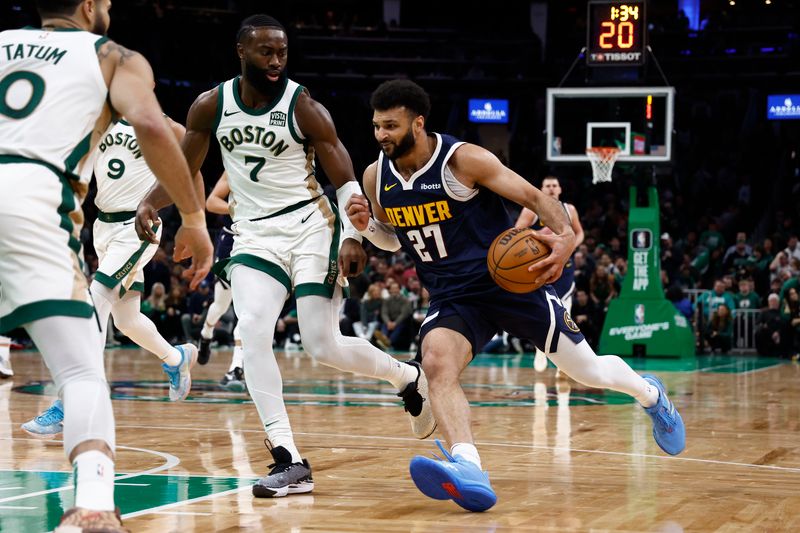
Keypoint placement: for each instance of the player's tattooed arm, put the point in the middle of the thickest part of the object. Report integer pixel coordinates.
(115, 52)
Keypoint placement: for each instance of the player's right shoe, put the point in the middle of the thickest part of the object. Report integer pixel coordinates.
(285, 477)
(418, 405)
(204, 351)
(180, 378)
(668, 429)
(234, 380)
(5, 367)
(48, 424)
(80, 520)
(453, 478)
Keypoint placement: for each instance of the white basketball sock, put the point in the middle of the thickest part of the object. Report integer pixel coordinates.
(350, 354)
(468, 451)
(222, 301)
(259, 299)
(238, 353)
(580, 363)
(94, 481)
(129, 319)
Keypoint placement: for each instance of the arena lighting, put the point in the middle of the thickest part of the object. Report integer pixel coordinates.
(732, 2)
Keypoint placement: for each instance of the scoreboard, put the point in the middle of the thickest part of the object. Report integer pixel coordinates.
(616, 33)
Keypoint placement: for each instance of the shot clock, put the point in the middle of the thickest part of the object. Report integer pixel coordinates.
(616, 33)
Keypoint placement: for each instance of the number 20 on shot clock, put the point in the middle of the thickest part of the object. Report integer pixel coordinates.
(616, 33)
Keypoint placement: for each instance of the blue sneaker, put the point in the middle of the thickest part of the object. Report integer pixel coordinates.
(180, 380)
(453, 479)
(668, 428)
(48, 424)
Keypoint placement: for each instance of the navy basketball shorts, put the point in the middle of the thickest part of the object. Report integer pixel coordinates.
(537, 316)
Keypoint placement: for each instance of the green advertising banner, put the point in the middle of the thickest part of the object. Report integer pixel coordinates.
(641, 321)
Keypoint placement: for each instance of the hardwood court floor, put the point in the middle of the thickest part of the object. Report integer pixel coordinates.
(561, 458)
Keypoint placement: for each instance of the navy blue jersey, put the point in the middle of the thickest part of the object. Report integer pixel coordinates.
(566, 283)
(445, 227)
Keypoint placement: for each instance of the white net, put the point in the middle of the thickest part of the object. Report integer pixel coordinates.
(602, 159)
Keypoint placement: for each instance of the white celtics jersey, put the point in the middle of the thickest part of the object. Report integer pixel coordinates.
(123, 177)
(269, 166)
(51, 94)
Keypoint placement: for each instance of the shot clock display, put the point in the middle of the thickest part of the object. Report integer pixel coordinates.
(616, 33)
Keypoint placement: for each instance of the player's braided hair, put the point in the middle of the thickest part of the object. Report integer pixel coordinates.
(257, 21)
(401, 93)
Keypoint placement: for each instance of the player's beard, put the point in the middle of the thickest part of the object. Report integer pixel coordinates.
(100, 27)
(403, 147)
(257, 77)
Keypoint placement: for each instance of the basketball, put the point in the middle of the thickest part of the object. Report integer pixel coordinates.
(510, 256)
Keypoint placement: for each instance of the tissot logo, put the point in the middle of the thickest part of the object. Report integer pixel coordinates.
(277, 118)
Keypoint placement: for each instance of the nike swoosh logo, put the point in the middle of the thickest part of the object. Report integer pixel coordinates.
(128, 223)
(303, 220)
(229, 114)
(387, 187)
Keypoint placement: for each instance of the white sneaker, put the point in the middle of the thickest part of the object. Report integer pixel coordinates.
(5, 367)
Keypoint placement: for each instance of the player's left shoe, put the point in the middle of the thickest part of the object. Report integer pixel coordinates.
(180, 377)
(204, 352)
(668, 429)
(234, 380)
(417, 404)
(48, 424)
(453, 478)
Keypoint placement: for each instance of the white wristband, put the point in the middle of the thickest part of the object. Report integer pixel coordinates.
(343, 194)
(381, 235)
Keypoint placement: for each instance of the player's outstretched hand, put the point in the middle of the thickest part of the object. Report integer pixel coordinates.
(352, 258)
(194, 243)
(146, 216)
(358, 212)
(561, 247)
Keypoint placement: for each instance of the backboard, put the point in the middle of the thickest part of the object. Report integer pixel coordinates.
(637, 120)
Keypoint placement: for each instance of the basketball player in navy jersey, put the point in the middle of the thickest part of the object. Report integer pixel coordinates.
(439, 200)
(565, 285)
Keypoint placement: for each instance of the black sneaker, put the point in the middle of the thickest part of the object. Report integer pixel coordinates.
(204, 351)
(234, 380)
(285, 477)
(416, 403)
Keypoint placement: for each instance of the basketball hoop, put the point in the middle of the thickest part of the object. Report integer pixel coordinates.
(602, 159)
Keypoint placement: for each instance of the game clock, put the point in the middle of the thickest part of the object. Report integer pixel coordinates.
(616, 33)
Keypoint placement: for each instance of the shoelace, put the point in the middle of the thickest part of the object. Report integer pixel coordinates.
(663, 415)
(447, 455)
(51, 416)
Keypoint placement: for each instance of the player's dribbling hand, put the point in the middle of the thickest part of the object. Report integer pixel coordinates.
(561, 247)
(146, 216)
(352, 258)
(194, 243)
(358, 212)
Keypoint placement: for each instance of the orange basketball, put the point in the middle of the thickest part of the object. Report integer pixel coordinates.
(510, 256)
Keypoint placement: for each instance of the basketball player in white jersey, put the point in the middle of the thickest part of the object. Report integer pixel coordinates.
(123, 179)
(59, 86)
(217, 203)
(565, 285)
(287, 236)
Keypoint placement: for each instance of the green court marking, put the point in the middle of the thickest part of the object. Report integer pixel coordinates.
(702, 363)
(24, 508)
(358, 392)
